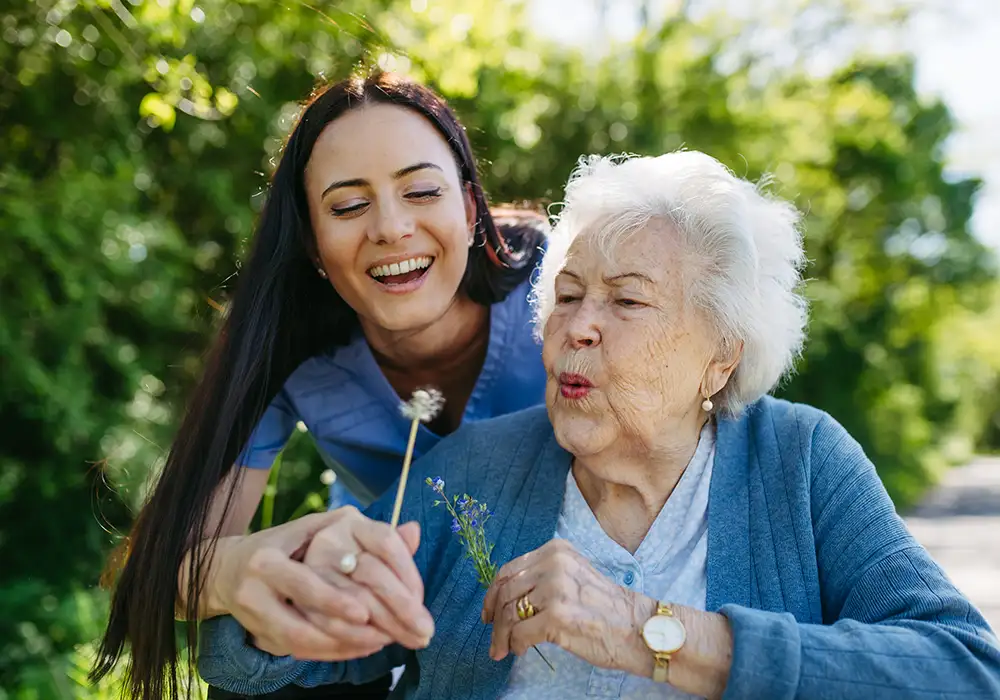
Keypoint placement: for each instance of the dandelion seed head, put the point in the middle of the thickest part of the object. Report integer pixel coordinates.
(328, 477)
(423, 405)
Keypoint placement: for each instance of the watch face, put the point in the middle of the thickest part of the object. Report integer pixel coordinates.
(663, 634)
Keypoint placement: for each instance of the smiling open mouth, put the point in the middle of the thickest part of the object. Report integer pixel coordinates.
(402, 272)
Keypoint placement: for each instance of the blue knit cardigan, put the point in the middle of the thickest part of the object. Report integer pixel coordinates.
(827, 593)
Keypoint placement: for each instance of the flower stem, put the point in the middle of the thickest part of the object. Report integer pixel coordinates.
(270, 494)
(405, 474)
(551, 667)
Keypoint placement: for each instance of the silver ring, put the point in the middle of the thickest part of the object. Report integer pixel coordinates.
(348, 563)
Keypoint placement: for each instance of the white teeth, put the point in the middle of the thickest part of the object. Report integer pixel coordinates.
(400, 268)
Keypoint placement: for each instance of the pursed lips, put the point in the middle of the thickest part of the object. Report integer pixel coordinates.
(573, 385)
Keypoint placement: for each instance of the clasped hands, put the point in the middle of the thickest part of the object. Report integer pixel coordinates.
(286, 586)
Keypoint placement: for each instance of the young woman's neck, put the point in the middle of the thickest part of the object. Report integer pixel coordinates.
(448, 354)
(441, 345)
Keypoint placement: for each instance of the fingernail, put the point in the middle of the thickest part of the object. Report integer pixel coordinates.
(425, 628)
(425, 642)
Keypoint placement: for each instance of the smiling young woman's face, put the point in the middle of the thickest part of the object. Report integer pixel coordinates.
(392, 219)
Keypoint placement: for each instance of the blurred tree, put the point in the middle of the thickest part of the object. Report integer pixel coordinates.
(137, 141)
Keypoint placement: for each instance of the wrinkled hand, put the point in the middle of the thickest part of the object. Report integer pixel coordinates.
(577, 608)
(385, 583)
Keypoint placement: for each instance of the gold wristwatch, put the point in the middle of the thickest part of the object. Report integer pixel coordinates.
(664, 634)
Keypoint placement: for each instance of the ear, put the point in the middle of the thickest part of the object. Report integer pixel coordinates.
(471, 215)
(721, 369)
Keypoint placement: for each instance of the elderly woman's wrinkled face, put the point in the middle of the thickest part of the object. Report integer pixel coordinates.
(625, 355)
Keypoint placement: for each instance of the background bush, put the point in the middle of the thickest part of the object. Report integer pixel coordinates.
(136, 142)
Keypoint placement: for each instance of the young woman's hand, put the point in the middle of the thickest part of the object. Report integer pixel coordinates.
(384, 577)
(291, 606)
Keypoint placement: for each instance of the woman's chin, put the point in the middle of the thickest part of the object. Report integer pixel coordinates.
(580, 435)
(407, 314)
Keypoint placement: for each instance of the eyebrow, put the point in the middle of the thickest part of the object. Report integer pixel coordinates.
(629, 275)
(614, 279)
(361, 182)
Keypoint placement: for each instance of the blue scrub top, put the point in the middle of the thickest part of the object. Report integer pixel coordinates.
(352, 411)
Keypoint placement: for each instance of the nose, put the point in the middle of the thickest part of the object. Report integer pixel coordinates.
(584, 328)
(392, 224)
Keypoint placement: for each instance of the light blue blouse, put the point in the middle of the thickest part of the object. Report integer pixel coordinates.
(352, 411)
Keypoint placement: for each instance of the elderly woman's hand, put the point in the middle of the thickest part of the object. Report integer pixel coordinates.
(575, 606)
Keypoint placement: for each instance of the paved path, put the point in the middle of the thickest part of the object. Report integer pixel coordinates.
(959, 523)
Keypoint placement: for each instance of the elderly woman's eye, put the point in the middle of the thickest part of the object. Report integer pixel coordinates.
(630, 303)
(566, 298)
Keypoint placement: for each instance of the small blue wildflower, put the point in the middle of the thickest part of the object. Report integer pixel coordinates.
(468, 521)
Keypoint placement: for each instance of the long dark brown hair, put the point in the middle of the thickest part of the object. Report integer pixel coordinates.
(282, 313)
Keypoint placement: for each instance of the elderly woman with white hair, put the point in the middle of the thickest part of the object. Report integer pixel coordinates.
(666, 529)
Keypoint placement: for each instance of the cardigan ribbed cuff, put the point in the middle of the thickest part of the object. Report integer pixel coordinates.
(228, 662)
(767, 654)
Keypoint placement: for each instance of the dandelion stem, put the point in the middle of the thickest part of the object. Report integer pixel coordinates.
(270, 494)
(405, 474)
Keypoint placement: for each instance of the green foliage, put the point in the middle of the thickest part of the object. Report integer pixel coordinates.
(137, 138)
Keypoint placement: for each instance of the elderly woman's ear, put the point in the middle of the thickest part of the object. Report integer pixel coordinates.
(720, 371)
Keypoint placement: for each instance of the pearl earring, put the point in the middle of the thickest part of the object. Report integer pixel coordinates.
(707, 405)
(322, 272)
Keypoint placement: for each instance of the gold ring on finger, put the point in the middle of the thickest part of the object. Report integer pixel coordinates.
(524, 608)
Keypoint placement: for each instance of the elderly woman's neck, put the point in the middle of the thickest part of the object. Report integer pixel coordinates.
(627, 490)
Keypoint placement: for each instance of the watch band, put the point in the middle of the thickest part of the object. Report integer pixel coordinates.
(661, 660)
(661, 668)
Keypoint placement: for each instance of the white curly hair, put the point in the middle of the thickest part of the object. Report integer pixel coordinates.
(747, 246)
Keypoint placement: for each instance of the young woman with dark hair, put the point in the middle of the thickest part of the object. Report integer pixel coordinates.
(376, 268)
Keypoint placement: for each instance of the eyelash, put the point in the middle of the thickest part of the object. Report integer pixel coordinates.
(421, 196)
(627, 303)
(424, 195)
